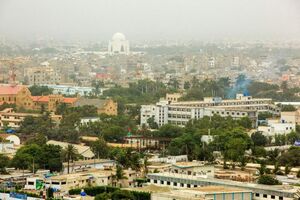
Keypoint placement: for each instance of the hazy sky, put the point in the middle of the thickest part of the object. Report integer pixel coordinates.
(151, 19)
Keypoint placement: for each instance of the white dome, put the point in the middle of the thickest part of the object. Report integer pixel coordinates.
(118, 37)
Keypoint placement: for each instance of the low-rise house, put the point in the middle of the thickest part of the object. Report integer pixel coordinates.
(276, 127)
(84, 165)
(194, 168)
(34, 183)
(11, 119)
(79, 180)
(84, 151)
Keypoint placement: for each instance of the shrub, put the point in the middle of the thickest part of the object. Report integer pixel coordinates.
(122, 194)
(93, 191)
(268, 180)
(141, 195)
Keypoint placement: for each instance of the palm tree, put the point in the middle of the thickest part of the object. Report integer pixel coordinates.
(70, 154)
(120, 174)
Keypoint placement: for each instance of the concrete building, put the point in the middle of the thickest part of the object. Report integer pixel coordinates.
(193, 168)
(276, 127)
(33, 183)
(51, 102)
(78, 180)
(118, 45)
(147, 111)
(169, 159)
(84, 165)
(88, 120)
(11, 119)
(180, 113)
(143, 142)
(107, 106)
(204, 193)
(22, 98)
(42, 75)
(72, 90)
(291, 117)
(259, 192)
(173, 97)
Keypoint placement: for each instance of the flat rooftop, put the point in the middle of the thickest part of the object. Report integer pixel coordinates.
(226, 183)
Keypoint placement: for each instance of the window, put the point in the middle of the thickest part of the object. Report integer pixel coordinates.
(161, 182)
(30, 183)
(272, 197)
(257, 194)
(181, 185)
(168, 183)
(265, 195)
(188, 185)
(155, 181)
(175, 184)
(280, 198)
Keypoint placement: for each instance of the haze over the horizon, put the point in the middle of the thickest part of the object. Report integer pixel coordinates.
(97, 20)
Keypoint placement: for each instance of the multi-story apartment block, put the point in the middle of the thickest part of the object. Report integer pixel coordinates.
(42, 75)
(180, 112)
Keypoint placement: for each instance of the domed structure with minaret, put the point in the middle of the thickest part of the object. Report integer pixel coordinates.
(118, 45)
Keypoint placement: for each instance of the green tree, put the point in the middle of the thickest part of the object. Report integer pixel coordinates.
(292, 137)
(259, 139)
(49, 193)
(122, 195)
(4, 161)
(37, 90)
(100, 148)
(28, 157)
(152, 123)
(291, 157)
(103, 196)
(187, 85)
(169, 131)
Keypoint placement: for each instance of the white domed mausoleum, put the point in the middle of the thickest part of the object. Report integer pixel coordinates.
(118, 45)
